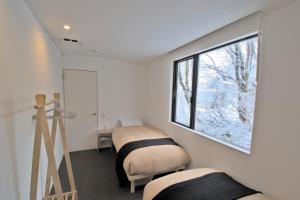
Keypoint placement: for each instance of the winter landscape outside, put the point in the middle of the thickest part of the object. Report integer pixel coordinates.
(226, 89)
(184, 92)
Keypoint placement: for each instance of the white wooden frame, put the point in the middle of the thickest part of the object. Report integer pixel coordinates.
(42, 129)
(135, 178)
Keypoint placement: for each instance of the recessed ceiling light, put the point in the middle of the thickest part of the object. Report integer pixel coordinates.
(67, 27)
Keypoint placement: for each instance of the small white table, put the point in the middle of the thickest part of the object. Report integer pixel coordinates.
(104, 139)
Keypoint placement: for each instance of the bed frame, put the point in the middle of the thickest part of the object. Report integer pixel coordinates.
(135, 178)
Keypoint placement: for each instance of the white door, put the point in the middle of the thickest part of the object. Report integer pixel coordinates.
(81, 97)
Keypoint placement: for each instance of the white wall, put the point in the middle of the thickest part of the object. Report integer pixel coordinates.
(121, 87)
(29, 64)
(274, 163)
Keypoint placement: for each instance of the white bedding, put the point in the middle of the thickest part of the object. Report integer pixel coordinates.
(148, 160)
(157, 185)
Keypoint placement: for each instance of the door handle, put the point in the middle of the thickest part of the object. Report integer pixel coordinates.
(93, 114)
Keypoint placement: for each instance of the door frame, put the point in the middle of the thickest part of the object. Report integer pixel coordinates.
(97, 100)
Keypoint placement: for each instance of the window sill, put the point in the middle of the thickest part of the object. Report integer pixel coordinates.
(212, 138)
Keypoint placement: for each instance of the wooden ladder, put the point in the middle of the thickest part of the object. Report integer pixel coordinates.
(42, 129)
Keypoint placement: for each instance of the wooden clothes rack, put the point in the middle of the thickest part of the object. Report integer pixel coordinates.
(42, 129)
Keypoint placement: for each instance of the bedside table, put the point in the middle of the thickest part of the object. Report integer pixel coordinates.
(104, 139)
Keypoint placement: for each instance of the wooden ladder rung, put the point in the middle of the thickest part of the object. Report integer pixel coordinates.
(66, 196)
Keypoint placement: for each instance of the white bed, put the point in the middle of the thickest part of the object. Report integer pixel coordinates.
(156, 186)
(148, 161)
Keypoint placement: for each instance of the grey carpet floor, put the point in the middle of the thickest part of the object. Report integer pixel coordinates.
(95, 177)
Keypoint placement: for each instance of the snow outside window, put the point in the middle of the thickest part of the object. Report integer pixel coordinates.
(221, 103)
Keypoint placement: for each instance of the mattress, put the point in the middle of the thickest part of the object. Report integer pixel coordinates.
(150, 160)
(156, 186)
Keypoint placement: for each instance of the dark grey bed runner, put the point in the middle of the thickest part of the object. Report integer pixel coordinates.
(131, 146)
(213, 186)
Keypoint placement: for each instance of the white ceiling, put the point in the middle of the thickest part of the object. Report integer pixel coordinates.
(137, 30)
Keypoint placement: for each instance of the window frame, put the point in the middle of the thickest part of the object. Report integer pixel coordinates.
(174, 90)
(195, 58)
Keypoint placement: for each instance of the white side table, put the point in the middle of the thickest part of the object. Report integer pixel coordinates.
(104, 139)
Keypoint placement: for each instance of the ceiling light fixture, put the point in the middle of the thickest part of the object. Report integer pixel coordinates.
(67, 27)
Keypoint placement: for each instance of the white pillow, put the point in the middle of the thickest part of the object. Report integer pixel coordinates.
(131, 122)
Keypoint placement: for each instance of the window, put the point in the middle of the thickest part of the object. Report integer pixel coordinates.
(214, 92)
(183, 93)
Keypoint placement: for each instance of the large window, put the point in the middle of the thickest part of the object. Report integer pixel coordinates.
(214, 92)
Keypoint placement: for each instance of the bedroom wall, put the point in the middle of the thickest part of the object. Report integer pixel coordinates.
(273, 166)
(121, 86)
(29, 64)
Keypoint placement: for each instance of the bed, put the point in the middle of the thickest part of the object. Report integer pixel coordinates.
(176, 185)
(148, 152)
